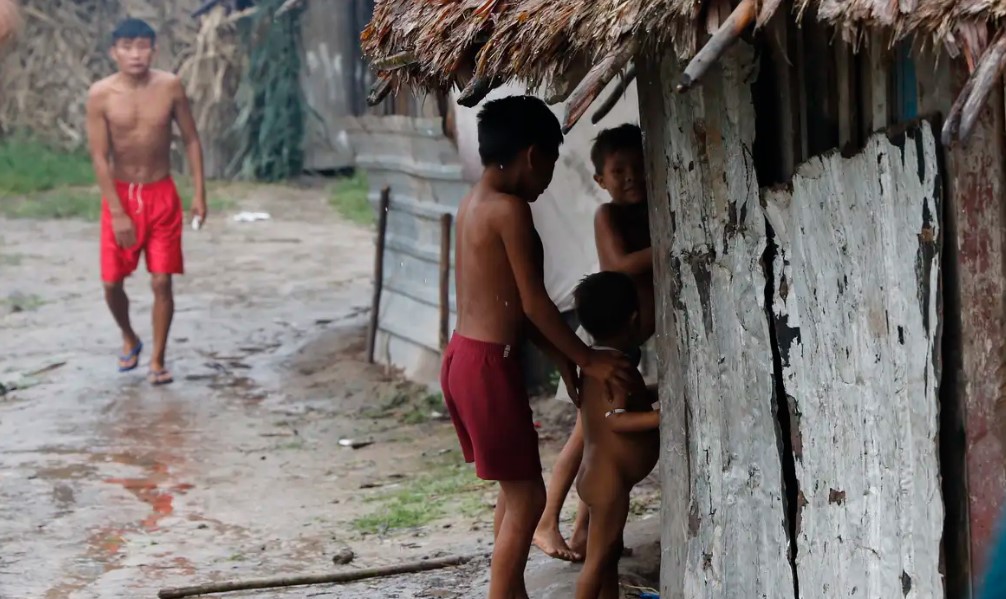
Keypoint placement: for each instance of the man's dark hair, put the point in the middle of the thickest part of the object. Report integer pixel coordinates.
(133, 29)
(605, 302)
(609, 141)
(509, 125)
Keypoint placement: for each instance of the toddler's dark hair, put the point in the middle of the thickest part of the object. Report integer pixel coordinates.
(509, 125)
(609, 141)
(133, 29)
(605, 302)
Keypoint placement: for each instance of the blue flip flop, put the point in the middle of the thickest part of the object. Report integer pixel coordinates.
(132, 355)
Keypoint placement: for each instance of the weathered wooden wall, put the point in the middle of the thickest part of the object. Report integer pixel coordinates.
(422, 168)
(330, 78)
(856, 311)
(724, 522)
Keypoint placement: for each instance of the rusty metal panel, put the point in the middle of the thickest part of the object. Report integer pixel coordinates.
(422, 168)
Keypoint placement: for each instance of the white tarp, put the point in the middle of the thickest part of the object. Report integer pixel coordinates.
(564, 215)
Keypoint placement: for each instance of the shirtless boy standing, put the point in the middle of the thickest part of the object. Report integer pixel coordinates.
(622, 236)
(501, 301)
(620, 432)
(129, 117)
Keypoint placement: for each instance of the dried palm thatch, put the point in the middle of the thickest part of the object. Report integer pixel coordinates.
(551, 44)
(212, 73)
(62, 50)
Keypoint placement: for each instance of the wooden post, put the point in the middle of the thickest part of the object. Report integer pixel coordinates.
(375, 304)
(445, 278)
(723, 517)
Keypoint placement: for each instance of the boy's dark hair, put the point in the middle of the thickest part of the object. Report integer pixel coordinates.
(609, 141)
(605, 301)
(509, 125)
(133, 29)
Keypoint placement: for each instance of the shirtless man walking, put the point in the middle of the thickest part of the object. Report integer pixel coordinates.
(129, 118)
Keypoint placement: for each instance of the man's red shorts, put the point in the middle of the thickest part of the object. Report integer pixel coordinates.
(483, 386)
(156, 212)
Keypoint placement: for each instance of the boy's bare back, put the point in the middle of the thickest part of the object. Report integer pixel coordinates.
(137, 121)
(489, 303)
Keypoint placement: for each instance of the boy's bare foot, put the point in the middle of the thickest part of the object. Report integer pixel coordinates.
(578, 542)
(550, 541)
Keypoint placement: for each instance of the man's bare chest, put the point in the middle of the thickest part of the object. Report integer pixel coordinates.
(146, 113)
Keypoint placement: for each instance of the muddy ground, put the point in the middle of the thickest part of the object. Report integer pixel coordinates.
(111, 488)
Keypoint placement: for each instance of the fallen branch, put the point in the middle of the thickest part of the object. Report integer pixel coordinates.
(335, 578)
(616, 94)
(725, 36)
(594, 83)
(987, 75)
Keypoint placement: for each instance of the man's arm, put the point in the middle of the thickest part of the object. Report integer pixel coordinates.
(611, 247)
(182, 111)
(99, 146)
(517, 232)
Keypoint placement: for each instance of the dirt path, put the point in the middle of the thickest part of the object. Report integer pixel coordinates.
(110, 488)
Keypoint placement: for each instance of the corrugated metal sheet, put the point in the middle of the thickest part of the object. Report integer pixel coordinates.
(421, 167)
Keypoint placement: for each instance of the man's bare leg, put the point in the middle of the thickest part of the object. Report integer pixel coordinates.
(547, 536)
(164, 311)
(523, 502)
(118, 304)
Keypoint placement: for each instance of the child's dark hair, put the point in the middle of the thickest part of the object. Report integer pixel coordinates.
(605, 302)
(133, 29)
(609, 141)
(509, 125)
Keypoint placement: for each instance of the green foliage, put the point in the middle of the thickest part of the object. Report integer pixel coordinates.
(349, 198)
(28, 166)
(273, 107)
(448, 486)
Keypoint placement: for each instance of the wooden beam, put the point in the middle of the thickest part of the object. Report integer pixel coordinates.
(594, 83)
(725, 36)
(477, 89)
(394, 61)
(985, 77)
(380, 91)
(375, 303)
(616, 94)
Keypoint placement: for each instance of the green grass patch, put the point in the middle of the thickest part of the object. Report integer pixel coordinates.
(28, 167)
(349, 198)
(449, 486)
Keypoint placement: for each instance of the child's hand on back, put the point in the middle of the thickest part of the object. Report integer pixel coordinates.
(612, 367)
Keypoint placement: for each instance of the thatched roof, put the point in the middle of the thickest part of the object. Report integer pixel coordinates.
(552, 43)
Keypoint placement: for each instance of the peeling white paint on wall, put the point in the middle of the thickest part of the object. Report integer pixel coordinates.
(724, 520)
(856, 307)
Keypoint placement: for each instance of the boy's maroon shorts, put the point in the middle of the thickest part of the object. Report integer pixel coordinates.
(484, 390)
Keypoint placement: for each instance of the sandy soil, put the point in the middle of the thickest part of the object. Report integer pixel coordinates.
(110, 488)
